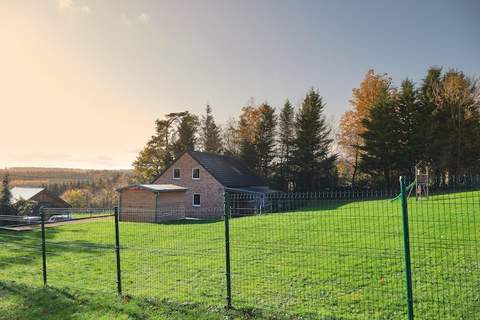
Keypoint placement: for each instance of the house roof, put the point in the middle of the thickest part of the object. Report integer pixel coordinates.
(229, 171)
(157, 188)
(24, 193)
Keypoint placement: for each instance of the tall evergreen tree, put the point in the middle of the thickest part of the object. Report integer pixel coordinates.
(210, 138)
(286, 137)
(411, 117)
(264, 139)
(380, 152)
(186, 134)
(313, 162)
(5, 196)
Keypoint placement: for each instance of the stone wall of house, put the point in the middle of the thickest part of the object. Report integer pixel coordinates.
(210, 190)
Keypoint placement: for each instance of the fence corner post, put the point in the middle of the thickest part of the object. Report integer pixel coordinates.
(406, 244)
(117, 250)
(226, 217)
(44, 252)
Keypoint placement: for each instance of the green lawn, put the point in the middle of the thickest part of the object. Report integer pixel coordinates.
(338, 260)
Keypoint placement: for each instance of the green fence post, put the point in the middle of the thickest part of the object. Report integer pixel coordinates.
(44, 253)
(117, 250)
(227, 249)
(406, 243)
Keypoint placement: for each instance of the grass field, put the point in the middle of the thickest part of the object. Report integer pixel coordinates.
(337, 260)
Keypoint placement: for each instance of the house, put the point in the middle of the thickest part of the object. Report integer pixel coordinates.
(193, 186)
(41, 196)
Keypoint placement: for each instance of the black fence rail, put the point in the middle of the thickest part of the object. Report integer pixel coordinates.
(343, 254)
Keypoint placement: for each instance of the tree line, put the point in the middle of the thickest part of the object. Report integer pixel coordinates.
(385, 133)
(389, 130)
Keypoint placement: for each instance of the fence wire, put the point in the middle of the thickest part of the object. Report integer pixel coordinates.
(177, 258)
(318, 255)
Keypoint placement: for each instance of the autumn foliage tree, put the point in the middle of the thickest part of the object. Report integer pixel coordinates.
(349, 137)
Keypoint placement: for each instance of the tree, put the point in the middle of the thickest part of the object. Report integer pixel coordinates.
(457, 118)
(380, 152)
(158, 153)
(77, 198)
(313, 162)
(246, 131)
(286, 132)
(231, 138)
(349, 137)
(264, 139)
(24, 207)
(5, 197)
(210, 138)
(186, 134)
(411, 119)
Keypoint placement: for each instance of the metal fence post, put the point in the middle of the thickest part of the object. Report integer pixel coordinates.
(117, 250)
(227, 249)
(406, 243)
(44, 253)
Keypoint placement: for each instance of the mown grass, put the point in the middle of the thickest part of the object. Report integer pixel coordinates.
(332, 260)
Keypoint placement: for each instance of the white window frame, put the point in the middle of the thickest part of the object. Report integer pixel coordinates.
(193, 200)
(179, 173)
(198, 173)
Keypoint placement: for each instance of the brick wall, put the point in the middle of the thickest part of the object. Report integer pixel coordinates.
(137, 205)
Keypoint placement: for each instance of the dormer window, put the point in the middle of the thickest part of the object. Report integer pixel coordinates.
(176, 173)
(195, 173)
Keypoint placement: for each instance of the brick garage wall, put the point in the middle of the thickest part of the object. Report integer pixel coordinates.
(137, 205)
(170, 206)
(210, 190)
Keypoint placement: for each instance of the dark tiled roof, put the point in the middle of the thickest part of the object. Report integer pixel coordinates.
(229, 171)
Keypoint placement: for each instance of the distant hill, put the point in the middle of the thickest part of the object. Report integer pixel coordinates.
(79, 187)
(25, 176)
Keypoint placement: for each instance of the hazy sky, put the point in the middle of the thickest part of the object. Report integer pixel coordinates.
(82, 81)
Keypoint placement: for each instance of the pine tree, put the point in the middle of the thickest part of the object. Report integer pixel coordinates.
(186, 134)
(380, 152)
(210, 138)
(158, 153)
(286, 131)
(411, 140)
(264, 140)
(5, 196)
(313, 162)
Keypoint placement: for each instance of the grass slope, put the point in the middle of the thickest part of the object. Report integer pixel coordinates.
(337, 260)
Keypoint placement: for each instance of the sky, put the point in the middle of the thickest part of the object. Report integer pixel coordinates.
(82, 81)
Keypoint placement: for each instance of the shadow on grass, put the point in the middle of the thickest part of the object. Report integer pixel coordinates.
(24, 302)
(190, 221)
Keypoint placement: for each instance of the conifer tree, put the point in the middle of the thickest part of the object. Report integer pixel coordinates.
(286, 131)
(380, 152)
(210, 138)
(5, 196)
(264, 140)
(313, 161)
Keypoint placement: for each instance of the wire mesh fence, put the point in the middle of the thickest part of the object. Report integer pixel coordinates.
(80, 248)
(177, 258)
(325, 254)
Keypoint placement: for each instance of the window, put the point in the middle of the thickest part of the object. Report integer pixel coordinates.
(176, 173)
(196, 173)
(196, 200)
